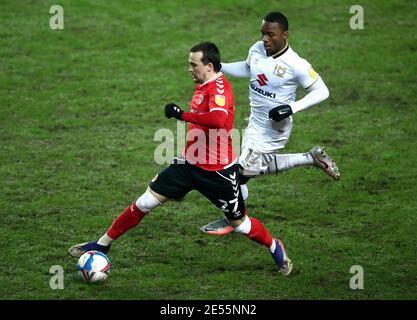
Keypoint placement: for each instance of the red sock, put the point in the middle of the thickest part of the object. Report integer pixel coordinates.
(130, 217)
(259, 233)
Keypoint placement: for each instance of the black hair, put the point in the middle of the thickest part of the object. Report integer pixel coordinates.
(210, 54)
(279, 18)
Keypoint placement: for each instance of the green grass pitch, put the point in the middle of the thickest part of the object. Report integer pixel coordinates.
(79, 109)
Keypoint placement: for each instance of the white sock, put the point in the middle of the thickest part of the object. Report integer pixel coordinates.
(105, 240)
(273, 246)
(244, 227)
(284, 162)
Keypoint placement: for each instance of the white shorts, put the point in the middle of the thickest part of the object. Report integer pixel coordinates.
(254, 162)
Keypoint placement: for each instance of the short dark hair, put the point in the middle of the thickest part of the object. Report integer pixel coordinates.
(279, 18)
(210, 54)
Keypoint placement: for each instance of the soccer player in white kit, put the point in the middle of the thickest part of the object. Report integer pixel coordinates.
(275, 72)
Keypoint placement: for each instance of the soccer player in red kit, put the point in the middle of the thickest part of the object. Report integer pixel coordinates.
(208, 163)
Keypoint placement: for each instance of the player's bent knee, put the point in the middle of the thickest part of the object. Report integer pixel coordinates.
(147, 202)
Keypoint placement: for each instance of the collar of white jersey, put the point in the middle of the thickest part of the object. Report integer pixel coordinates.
(281, 52)
(214, 79)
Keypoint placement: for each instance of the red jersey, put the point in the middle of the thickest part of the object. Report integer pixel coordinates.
(209, 141)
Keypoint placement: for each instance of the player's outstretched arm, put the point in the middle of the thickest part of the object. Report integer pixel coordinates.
(236, 69)
(214, 119)
(317, 93)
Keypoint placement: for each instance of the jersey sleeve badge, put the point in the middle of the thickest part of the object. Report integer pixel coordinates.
(220, 100)
(312, 73)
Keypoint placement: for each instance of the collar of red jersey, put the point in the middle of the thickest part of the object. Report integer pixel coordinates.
(218, 75)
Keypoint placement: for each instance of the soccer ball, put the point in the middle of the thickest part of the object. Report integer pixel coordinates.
(93, 267)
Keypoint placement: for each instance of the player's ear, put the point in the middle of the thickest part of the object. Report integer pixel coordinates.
(210, 67)
(285, 35)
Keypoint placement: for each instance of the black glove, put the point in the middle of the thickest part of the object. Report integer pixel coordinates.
(172, 110)
(280, 112)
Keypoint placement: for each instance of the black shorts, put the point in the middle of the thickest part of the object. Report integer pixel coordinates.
(222, 187)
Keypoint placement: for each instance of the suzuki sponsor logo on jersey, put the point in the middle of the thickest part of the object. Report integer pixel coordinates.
(262, 79)
(262, 92)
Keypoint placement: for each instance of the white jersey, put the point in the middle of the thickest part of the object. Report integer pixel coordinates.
(273, 82)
